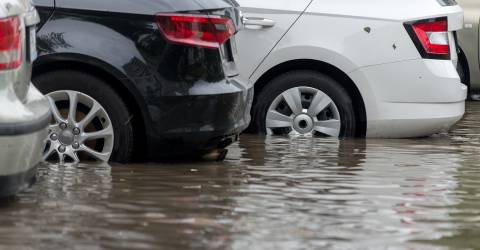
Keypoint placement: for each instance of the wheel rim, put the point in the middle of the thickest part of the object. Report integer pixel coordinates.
(78, 122)
(303, 111)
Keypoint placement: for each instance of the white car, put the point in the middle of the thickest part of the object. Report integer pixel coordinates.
(24, 112)
(375, 68)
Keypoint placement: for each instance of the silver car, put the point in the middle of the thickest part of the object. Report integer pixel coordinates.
(468, 39)
(24, 112)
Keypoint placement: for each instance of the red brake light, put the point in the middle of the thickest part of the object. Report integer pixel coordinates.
(10, 43)
(196, 30)
(431, 37)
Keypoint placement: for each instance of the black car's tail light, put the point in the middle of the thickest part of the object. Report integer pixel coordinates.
(10, 43)
(196, 30)
(431, 37)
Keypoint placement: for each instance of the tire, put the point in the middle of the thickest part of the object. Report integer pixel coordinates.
(311, 79)
(105, 95)
(463, 73)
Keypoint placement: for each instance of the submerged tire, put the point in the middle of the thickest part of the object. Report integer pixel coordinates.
(303, 102)
(106, 96)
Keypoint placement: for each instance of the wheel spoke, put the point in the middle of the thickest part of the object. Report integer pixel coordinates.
(269, 131)
(90, 116)
(74, 157)
(277, 120)
(72, 112)
(293, 133)
(294, 100)
(47, 154)
(106, 132)
(61, 158)
(53, 126)
(55, 112)
(97, 155)
(319, 103)
(329, 127)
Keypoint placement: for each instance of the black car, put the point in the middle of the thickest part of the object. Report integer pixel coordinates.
(140, 79)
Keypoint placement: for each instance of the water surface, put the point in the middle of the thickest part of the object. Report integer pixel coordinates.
(271, 193)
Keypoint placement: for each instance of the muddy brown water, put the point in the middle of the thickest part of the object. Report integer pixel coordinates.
(271, 193)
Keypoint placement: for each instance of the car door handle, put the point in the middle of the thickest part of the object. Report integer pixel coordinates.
(253, 22)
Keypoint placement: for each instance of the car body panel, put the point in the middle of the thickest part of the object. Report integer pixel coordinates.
(399, 11)
(174, 86)
(468, 40)
(145, 7)
(29, 104)
(16, 159)
(24, 112)
(260, 40)
(354, 43)
(372, 47)
(45, 9)
(410, 98)
(14, 7)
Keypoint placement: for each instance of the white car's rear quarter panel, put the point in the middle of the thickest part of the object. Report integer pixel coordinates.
(337, 29)
(389, 10)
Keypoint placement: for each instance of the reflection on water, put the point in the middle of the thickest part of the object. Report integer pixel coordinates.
(271, 193)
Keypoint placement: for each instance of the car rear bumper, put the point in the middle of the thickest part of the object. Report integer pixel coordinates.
(409, 120)
(15, 183)
(20, 154)
(22, 140)
(411, 98)
(207, 119)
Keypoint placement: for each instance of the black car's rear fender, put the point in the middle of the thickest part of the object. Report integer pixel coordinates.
(60, 47)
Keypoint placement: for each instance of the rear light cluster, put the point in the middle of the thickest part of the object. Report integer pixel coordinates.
(431, 37)
(10, 43)
(196, 30)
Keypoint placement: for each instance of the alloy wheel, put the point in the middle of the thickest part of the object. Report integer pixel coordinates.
(303, 111)
(80, 129)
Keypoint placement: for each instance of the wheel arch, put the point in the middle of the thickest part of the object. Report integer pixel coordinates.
(325, 68)
(113, 77)
(462, 59)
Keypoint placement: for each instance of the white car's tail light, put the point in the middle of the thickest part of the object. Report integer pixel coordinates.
(10, 43)
(196, 30)
(431, 37)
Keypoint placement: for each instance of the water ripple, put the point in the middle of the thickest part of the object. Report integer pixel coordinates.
(271, 193)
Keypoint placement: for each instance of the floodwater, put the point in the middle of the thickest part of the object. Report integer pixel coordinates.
(271, 193)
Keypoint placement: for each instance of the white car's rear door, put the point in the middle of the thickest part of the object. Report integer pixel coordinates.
(266, 22)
